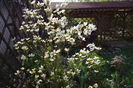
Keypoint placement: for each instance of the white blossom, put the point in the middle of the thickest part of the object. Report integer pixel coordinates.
(52, 73)
(23, 57)
(17, 72)
(66, 49)
(33, 2)
(24, 48)
(43, 75)
(65, 77)
(31, 55)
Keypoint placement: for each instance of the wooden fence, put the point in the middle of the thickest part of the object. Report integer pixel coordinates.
(10, 21)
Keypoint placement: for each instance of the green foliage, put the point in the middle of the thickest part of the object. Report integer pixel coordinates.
(130, 24)
(114, 77)
(48, 58)
(56, 61)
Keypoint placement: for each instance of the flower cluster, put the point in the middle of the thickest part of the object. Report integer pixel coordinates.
(45, 49)
(94, 86)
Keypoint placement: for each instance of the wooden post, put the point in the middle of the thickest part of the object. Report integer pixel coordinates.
(124, 15)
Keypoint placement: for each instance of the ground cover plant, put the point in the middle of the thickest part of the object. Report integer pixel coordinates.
(118, 69)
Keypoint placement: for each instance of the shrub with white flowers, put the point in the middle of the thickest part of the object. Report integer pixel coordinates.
(46, 49)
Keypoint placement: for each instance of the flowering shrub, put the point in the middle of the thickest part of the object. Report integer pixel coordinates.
(46, 49)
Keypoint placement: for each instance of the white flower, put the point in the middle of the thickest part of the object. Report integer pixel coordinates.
(46, 55)
(98, 48)
(95, 85)
(36, 61)
(91, 46)
(19, 42)
(22, 68)
(90, 87)
(71, 40)
(52, 73)
(66, 49)
(73, 73)
(21, 28)
(78, 71)
(32, 71)
(36, 76)
(40, 71)
(92, 27)
(37, 30)
(43, 75)
(23, 22)
(85, 23)
(40, 4)
(95, 57)
(18, 72)
(33, 2)
(62, 11)
(89, 59)
(68, 86)
(39, 81)
(97, 62)
(57, 11)
(70, 59)
(24, 48)
(16, 48)
(31, 55)
(87, 62)
(51, 59)
(23, 57)
(65, 78)
(89, 66)
(48, 10)
(96, 71)
(82, 51)
(86, 32)
(41, 67)
(58, 51)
